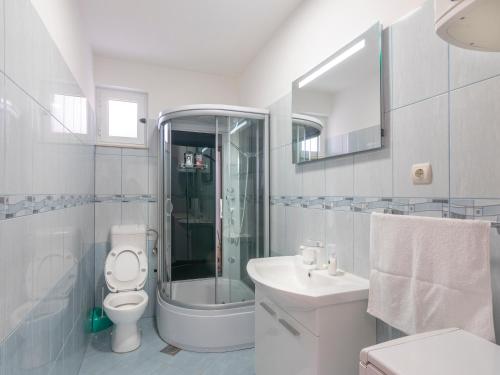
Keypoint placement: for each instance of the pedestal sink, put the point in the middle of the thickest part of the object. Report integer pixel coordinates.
(315, 321)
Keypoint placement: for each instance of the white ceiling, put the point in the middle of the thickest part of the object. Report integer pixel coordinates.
(212, 36)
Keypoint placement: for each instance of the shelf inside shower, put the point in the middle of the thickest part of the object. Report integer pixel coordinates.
(182, 168)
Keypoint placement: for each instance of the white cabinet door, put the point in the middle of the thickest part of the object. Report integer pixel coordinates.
(282, 345)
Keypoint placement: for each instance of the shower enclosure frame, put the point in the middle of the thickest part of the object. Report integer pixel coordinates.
(205, 327)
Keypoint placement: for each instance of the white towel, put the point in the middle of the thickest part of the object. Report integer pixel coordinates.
(428, 274)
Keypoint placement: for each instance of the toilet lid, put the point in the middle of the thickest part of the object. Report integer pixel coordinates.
(126, 269)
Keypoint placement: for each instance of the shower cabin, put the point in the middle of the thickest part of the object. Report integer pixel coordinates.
(213, 218)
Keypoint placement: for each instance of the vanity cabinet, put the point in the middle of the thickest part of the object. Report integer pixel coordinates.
(314, 341)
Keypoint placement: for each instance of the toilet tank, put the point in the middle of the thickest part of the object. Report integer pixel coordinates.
(130, 235)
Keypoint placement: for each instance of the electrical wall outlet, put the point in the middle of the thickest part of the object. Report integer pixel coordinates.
(421, 174)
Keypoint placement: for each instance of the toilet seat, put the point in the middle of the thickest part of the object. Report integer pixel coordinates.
(126, 300)
(126, 269)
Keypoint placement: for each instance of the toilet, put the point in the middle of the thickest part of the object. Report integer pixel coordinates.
(445, 352)
(126, 271)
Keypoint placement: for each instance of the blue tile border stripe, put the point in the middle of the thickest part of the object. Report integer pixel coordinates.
(12, 206)
(459, 208)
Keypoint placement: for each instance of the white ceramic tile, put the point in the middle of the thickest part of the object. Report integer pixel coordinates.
(153, 215)
(16, 266)
(362, 245)
(18, 42)
(373, 169)
(293, 228)
(48, 154)
(108, 174)
(467, 66)
(474, 134)
(420, 135)
(17, 143)
(280, 126)
(339, 176)
(153, 138)
(108, 150)
(135, 213)
(2, 36)
(419, 58)
(386, 69)
(134, 175)
(339, 231)
(106, 215)
(292, 173)
(286, 177)
(153, 175)
(495, 277)
(134, 151)
(313, 225)
(275, 184)
(277, 228)
(313, 179)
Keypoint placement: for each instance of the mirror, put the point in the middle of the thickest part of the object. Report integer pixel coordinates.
(336, 107)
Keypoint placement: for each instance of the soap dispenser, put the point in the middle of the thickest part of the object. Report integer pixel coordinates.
(332, 260)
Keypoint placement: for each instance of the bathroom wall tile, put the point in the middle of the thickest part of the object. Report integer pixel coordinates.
(2, 36)
(420, 135)
(286, 177)
(373, 169)
(108, 174)
(339, 176)
(276, 186)
(495, 279)
(101, 251)
(153, 176)
(294, 224)
(313, 179)
(18, 350)
(362, 245)
(387, 69)
(313, 225)
(48, 153)
(153, 215)
(277, 229)
(134, 175)
(280, 127)
(419, 58)
(106, 215)
(153, 138)
(106, 150)
(17, 143)
(339, 231)
(135, 213)
(127, 151)
(467, 66)
(16, 266)
(474, 134)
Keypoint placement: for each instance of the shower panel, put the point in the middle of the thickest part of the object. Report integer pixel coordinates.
(213, 216)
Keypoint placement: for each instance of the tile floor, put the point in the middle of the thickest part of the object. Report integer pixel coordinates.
(148, 360)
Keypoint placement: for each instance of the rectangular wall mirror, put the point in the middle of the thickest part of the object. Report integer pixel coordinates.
(336, 107)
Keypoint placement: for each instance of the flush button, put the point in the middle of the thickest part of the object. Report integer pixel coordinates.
(421, 174)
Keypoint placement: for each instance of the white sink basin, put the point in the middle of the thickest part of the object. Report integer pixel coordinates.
(291, 282)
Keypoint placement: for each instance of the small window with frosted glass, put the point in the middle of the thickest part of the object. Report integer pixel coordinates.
(121, 117)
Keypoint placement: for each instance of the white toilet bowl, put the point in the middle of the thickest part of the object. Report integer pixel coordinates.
(125, 309)
(126, 271)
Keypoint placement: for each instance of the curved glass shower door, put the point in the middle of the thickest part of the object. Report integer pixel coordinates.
(214, 206)
(243, 196)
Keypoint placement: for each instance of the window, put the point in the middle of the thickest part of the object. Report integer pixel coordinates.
(118, 117)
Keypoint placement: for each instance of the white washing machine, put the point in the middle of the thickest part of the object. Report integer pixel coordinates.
(445, 352)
